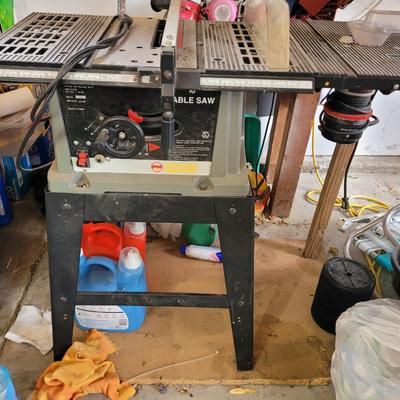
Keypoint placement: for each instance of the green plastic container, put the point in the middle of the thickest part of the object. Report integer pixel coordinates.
(6, 14)
(200, 234)
(252, 135)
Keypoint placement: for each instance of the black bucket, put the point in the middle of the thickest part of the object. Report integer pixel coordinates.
(342, 283)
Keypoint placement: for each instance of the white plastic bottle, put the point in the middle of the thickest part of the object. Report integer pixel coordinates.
(202, 252)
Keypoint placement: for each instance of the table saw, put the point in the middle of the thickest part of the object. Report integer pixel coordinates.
(151, 129)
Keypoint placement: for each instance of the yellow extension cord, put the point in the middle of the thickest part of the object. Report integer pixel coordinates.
(377, 274)
(355, 209)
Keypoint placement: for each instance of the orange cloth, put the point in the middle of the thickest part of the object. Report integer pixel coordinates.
(84, 369)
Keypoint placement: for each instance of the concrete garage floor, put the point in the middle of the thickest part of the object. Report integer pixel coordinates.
(25, 281)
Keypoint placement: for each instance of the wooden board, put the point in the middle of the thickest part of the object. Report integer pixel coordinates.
(295, 137)
(283, 115)
(289, 347)
(330, 190)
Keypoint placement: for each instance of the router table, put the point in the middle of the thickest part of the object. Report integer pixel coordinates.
(217, 60)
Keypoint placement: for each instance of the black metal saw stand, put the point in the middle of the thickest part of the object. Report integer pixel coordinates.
(67, 212)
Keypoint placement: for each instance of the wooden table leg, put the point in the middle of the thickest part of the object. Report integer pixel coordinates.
(282, 119)
(296, 134)
(333, 181)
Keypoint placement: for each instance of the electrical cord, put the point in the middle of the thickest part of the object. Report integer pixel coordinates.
(354, 209)
(274, 101)
(263, 144)
(325, 97)
(377, 275)
(345, 198)
(42, 103)
(266, 129)
(346, 115)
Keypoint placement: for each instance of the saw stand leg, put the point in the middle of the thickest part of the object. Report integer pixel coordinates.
(235, 218)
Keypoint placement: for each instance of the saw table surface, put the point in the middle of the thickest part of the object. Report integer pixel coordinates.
(215, 55)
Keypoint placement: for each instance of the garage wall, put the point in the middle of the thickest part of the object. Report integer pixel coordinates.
(358, 7)
(98, 7)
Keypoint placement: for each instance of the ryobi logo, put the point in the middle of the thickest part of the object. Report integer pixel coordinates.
(157, 167)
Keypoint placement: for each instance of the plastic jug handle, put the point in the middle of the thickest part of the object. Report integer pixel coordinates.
(105, 228)
(106, 262)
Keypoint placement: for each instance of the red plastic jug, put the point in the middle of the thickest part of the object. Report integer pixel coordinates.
(102, 239)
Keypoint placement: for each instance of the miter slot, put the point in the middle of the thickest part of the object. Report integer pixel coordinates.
(158, 34)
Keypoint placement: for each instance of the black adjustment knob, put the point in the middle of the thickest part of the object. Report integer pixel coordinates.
(158, 5)
(121, 137)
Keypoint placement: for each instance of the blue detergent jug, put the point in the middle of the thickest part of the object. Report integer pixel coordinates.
(132, 278)
(5, 209)
(101, 274)
(7, 390)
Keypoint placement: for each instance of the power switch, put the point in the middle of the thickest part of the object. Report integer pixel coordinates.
(82, 159)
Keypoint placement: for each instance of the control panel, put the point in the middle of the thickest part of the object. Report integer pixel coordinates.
(104, 123)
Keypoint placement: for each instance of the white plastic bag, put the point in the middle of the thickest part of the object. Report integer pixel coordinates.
(167, 230)
(366, 361)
